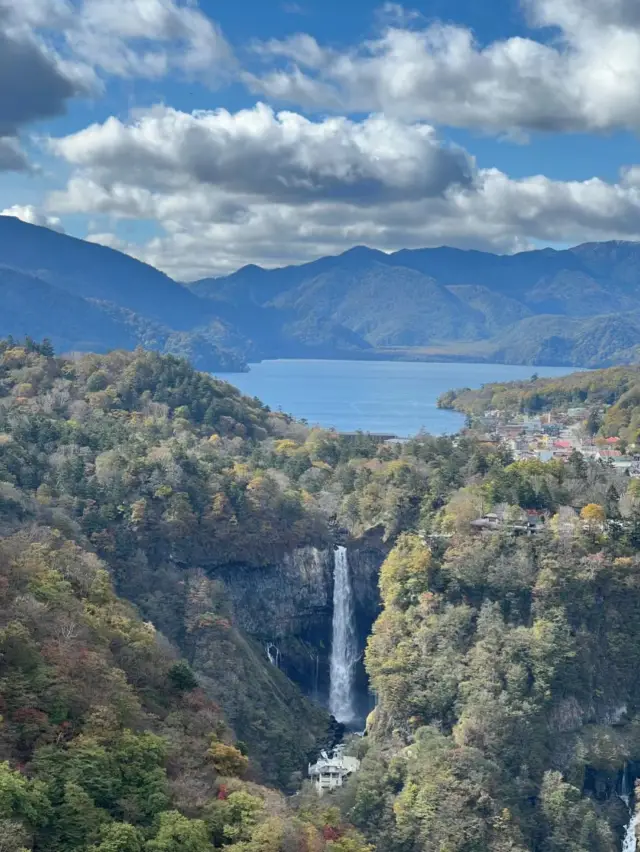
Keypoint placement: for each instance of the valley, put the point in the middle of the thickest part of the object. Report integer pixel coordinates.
(319, 426)
(195, 579)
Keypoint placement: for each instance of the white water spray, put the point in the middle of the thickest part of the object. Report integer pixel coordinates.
(273, 653)
(344, 647)
(630, 842)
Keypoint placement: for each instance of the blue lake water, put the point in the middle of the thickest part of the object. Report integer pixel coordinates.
(392, 397)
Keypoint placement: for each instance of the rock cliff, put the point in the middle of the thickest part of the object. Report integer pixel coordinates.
(287, 609)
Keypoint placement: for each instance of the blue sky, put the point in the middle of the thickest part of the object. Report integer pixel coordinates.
(202, 136)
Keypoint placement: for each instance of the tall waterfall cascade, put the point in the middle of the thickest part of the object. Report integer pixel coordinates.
(344, 646)
(630, 842)
(273, 654)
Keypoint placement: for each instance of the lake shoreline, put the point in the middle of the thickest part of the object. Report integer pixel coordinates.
(374, 396)
(410, 357)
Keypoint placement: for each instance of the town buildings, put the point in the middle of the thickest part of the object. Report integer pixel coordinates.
(555, 436)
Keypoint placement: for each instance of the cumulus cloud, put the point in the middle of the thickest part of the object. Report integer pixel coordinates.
(148, 38)
(128, 38)
(33, 216)
(93, 38)
(35, 82)
(277, 187)
(137, 38)
(575, 15)
(497, 213)
(585, 79)
(258, 153)
(273, 188)
(109, 240)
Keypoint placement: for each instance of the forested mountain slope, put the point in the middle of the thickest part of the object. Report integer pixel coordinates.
(578, 307)
(506, 670)
(93, 442)
(92, 271)
(612, 398)
(32, 306)
(505, 667)
(110, 741)
(183, 486)
(85, 297)
(538, 307)
(107, 741)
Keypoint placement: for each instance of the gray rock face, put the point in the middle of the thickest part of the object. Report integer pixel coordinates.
(288, 609)
(284, 599)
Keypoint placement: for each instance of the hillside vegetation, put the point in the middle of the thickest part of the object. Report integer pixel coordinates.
(174, 480)
(506, 668)
(138, 717)
(107, 741)
(613, 396)
(110, 739)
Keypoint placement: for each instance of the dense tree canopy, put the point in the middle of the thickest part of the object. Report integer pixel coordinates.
(505, 666)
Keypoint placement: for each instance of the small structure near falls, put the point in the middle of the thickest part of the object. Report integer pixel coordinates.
(330, 772)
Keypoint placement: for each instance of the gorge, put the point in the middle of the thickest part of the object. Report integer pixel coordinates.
(252, 559)
(312, 612)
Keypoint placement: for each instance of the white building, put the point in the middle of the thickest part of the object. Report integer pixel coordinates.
(330, 772)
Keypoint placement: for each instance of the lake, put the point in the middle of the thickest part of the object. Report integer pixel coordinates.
(392, 397)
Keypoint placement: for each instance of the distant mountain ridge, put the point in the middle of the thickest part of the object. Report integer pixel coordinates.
(87, 297)
(577, 307)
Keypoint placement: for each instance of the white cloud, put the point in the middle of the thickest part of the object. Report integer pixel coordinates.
(276, 187)
(33, 216)
(294, 9)
(52, 51)
(148, 38)
(228, 189)
(257, 153)
(109, 240)
(35, 81)
(497, 214)
(128, 38)
(398, 15)
(587, 79)
(574, 16)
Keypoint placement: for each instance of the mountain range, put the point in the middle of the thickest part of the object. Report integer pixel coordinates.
(577, 307)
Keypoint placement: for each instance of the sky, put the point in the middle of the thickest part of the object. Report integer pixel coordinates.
(203, 136)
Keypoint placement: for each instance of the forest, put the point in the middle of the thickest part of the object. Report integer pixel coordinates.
(136, 715)
(613, 393)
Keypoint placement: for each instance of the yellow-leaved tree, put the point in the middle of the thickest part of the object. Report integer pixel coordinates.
(594, 516)
(405, 572)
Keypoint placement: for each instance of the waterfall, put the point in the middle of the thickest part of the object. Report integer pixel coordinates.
(273, 653)
(344, 647)
(316, 674)
(630, 840)
(625, 792)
